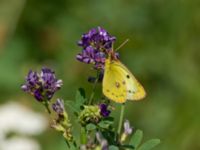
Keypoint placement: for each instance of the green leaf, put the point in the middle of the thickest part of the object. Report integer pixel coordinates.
(105, 124)
(102, 124)
(112, 147)
(111, 119)
(136, 139)
(128, 147)
(72, 146)
(108, 122)
(82, 92)
(71, 105)
(80, 96)
(80, 99)
(149, 144)
(90, 127)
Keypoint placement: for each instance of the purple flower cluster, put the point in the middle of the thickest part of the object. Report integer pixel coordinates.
(96, 45)
(42, 85)
(58, 106)
(104, 110)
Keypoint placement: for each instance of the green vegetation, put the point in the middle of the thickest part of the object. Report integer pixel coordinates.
(163, 53)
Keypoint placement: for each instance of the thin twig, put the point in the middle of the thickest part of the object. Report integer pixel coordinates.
(93, 89)
(121, 118)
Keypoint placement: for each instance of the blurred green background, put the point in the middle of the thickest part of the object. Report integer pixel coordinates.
(163, 53)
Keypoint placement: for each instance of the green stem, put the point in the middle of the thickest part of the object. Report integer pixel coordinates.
(121, 118)
(83, 137)
(93, 89)
(46, 104)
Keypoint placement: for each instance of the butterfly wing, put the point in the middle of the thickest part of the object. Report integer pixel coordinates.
(119, 84)
(112, 87)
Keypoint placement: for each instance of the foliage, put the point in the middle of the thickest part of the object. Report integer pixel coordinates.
(163, 51)
(97, 126)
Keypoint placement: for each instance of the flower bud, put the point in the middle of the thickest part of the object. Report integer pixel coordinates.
(90, 114)
(127, 131)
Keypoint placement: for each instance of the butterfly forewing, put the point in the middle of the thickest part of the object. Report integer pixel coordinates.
(113, 87)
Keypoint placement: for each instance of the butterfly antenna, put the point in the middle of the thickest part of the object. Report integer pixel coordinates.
(122, 44)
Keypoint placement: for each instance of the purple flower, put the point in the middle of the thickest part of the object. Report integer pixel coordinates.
(96, 44)
(127, 131)
(104, 110)
(103, 142)
(58, 106)
(127, 128)
(98, 38)
(42, 85)
(38, 94)
(104, 145)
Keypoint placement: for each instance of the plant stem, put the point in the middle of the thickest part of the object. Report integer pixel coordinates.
(93, 89)
(83, 137)
(121, 118)
(46, 104)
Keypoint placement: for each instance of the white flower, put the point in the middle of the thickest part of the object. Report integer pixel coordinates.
(15, 117)
(18, 143)
(19, 119)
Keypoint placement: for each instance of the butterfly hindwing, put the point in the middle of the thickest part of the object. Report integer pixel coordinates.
(119, 84)
(135, 91)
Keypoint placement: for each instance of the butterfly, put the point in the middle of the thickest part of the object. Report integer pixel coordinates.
(119, 84)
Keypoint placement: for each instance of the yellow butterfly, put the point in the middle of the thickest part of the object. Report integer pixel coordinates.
(119, 84)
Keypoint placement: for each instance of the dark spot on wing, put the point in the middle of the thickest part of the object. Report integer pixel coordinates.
(117, 84)
(130, 91)
(107, 90)
(127, 76)
(123, 82)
